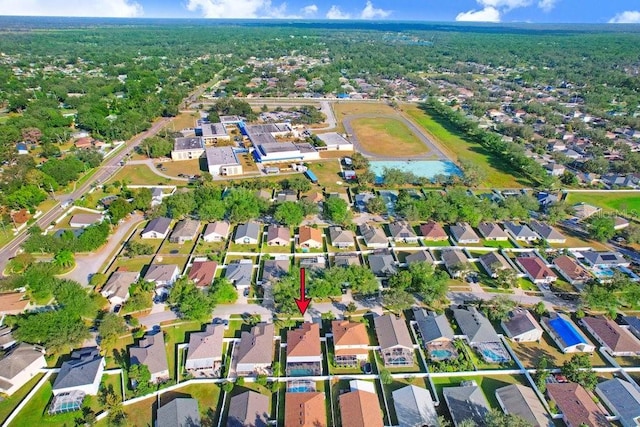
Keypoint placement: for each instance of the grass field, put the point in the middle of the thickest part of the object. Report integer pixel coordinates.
(328, 174)
(454, 145)
(342, 109)
(387, 137)
(182, 121)
(139, 414)
(10, 403)
(189, 167)
(625, 203)
(35, 412)
(142, 175)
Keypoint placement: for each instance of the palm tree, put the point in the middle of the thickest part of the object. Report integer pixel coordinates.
(64, 259)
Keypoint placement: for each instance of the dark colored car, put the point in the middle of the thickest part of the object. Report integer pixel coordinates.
(367, 369)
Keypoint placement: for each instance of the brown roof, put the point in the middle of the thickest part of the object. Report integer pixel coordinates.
(351, 334)
(84, 142)
(614, 336)
(576, 404)
(87, 218)
(203, 272)
(571, 268)
(304, 341)
(21, 216)
(314, 197)
(360, 409)
(433, 231)
(309, 233)
(535, 267)
(304, 410)
(277, 232)
(12, 303)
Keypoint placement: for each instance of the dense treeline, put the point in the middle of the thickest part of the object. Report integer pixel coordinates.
(91, 238)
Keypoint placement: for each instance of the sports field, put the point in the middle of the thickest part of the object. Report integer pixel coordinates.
(385, 136)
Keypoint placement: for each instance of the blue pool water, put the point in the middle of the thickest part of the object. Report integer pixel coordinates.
(300, 389)
(492, 356)
(300, 372)
(423, 168)
(441, 354)
(603, 272)
(566, 332)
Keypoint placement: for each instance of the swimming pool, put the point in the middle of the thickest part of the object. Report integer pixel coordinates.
(421, 168)
(603, 272)
(440, 354)
(300, 372)
(566, 332)
(491, 356)
(300, 389)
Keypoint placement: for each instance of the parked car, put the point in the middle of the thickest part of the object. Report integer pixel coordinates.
(367, 369)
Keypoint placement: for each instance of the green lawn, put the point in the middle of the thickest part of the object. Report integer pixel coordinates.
(139, 414)
(626, 203)
(328, 173)
(35, 412)
(436, 243)
(208, 396)
(132, 264)
(497, 244)
(488, 384)
(388, 137)
(10, 403)
(177, 334)
(177, 248)
(143, 175)
(454, 144)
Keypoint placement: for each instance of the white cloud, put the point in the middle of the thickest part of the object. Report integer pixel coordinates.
(488, 14)
(335, 13)
(547, 5)
(370, 12)
(627, 17)
(238, 9)
(93, 8)
(506, 4)
(310, 10)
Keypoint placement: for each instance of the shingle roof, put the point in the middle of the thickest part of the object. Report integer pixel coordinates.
(401, 230)
(185, 228)
(86, 219)
(392, 331)
(520, 230)
(160, 272)
(614, 336)
(203, 272)
(219, 227)
(546, 231)
(420, 256)
(571, 268)
(340, 235)
(382, 264)
(491, 230)
(433, 231)
(240, 273)
(180, 412)
(13, 302)
(18, 359)
(576, 404)
(80, 370)
(432, 326)
(492, 259)
(372, 234)
(278, 232)
(304, 410)
(453, 257)
(535, 267)
(519, 322)
(522, 401)
(206, 344)
(119, 283)
(304, 341)
(256, 346)
(466, 403)
(475, 326)
(250, 229)
(414, 407)
(463, 231)
(150, 351)
(623, 397)
(159, 225)
(274, 269)
(360, 409)
(248, 409)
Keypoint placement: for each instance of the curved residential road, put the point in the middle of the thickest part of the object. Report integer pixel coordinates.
(433, 148)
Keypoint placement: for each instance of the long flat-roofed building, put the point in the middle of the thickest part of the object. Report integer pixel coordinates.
(223, 161)
(187, 148)
(214, 132)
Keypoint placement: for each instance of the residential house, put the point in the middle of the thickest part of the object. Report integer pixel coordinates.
(463, 234)
(216, 232)
(576, 405)
(286, 196)
(265, 194)
(309, 238)
(605, 259)
(156, 196)
(157, 228)
(315, 197)
(396, 347)
(433, 232)
(19, 366)
(520, 232)
(547, 232)
(341, 238)
(436, 334)
(163, 275)
(82, 373)
(345, 260)
(274, 269)
(350, 342)
(494, 262)
(204, 354)
(278, 236)
(522, 401)
(13, 303)
(248, 409)
(608, 333)
(475, 328)
(633, 324)
(85, 220)
(304, 355)
(6, 338)
(455, 261)
(254, 351)
(116, 290)
(305, 409)
(536, 269)
(247, 234)
(492, 232)
(521, 326)
(620, 223)
(622, 398)
(313, 263)
(382, 265)
(571, 271)
(180, 412)
(22, 148)
(566, 334)
(466, 402)
(202, 273)
(401, 231)
(374, 237)
(582, 211)
(555, 169)
(240, 273)
(414, 407)
(360, 407)
(419, 256)
(150, 351)
(184, 231)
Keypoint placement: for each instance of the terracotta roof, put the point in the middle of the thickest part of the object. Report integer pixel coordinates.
(349, 333)
(360, 409)
(304, 341)
(12, 303)
(21, 216)
(304, 410)
(203, 272)
(433, 231)
(576, 404)
(614, 336)
(309, 233)
(535, 267)
(571, 268)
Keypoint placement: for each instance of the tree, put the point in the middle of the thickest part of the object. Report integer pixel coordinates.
(110, 328)
(119, 209)
(498, 308)
(385, 377)
(155, 147)
(632, 234)
(211, 210)
(98, 279)
(401, 280)
(541, 374)
(359, 161)
(506, 278)
(397, 300)
(496, 418)
(135, 248)
(540, 309)
(599, 298)
(55, 330)
(569, 179)
(141, 199)
(289, 213)
(578, 370)
(284, 292)
(351, 307)
(376, 205)
(222, 291)
(139, 375)
(602, 228)
(472, 174)
(298, 184)
(337, 210)
(191, 301)
(432, 285)
(64, 259)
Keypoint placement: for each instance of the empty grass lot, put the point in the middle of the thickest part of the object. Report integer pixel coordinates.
(454, 145)
(343, 109)
(188, 167)
(387, 137)
(328, 174)
(625, 203)
(142, 175)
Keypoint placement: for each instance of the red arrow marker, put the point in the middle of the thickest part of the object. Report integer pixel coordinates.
(303, 301)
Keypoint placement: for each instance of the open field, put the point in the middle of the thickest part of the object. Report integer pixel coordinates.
(343, 109)
(328, 174)
(387, 137)
(625, 203)
(142, 175)
(454, 145)
(189, 167)
(182, 121)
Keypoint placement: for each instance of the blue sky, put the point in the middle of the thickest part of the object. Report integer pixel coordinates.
(537, 11)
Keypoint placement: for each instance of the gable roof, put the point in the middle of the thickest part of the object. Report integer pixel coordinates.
(491, 230)
(13, 303)
(382, 264)
(150, 351)
(220, 228)
(420, 256)
(307, 234)
(535, 267)
(495, 258)
(401, 230)
(433, 231)
(475, 326)
(18, 358)
(613, 335)
(240, 273)
(180, 412)
(206, 344)
(349, 333)
(360, 409)
(345, 260)
(274, 269)
(203, 272)
(584, 210)
(463, 231)
(86, 218)
(256, 346)
(520, 230)
(304, 341)
(250, 229)
(546, 231)
(432, 326)
(576, 404)
(453, 257)
(161, 272)
(372, 234)
(519, 322)
(185, 228)
(571, 268)
(119, 283)
(414, 407)
(522, 401)
(466, 402)
(623, 398)
(278, 232)
(248, 409)
(159, 225)
(304, 410)
(606, 258)
(340, 235)
(81, 370)
(392, 331)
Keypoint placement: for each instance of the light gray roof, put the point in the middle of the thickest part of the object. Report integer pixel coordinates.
(214, 130)
(150, 351)
(220, 156)
(193, 143)
(522, 401)
(432, 326)
(345, 260)
(382, 264)
(180, 412)
(185, 228)
(519, 322)
(494, 258)
(219, 227)
(274, 269)
(463, 231)
(80, 370)
(256, 346)
(453, 257)
(624, 399)
(392, 331)
(248, 409)
(605, 258)
(240, 273)
(520, 230)
(414, 407)
(372, 234)
(119, 283)
(159, 225)
(401, 230)
(546, 231)
(420, 256)
(18, 359)
(340, 235)
(250, 229)
(466, 403)
(206, 344)
(475, 326)
(161, 272)
(278, 232)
